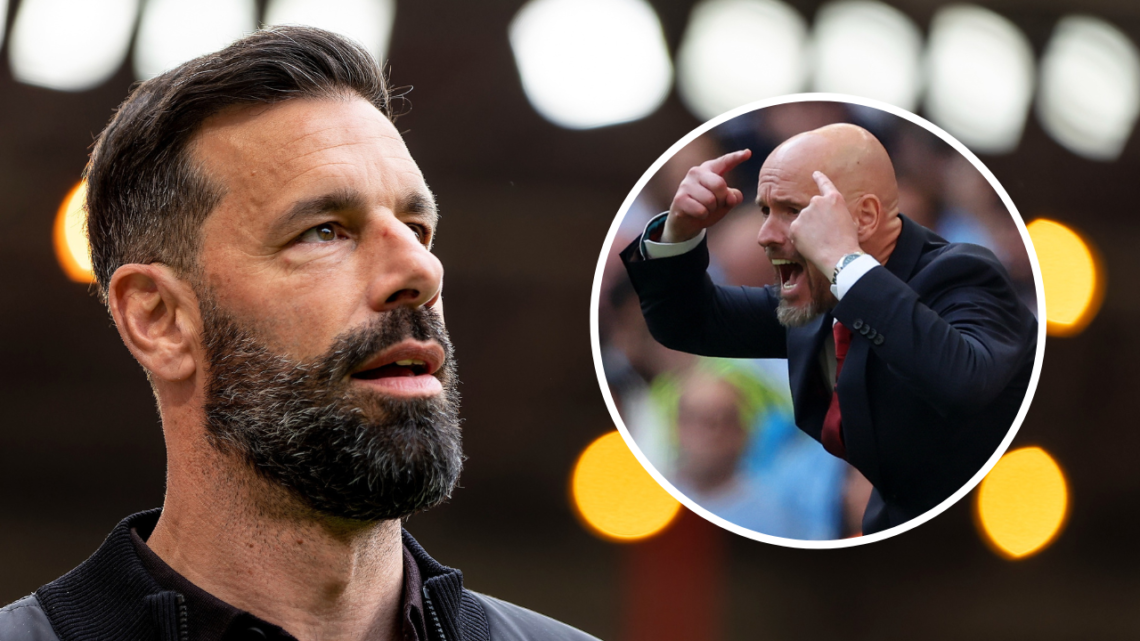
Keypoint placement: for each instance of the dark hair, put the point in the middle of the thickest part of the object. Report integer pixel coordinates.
(146, 198)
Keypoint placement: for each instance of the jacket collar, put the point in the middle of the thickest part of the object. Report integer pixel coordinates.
(112, 596)
(914, 240)
(445, 608)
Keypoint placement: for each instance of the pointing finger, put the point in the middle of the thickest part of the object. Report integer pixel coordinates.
(727, 162)
(826, 187)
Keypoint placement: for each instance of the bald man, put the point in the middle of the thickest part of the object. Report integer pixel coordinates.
(908, 356)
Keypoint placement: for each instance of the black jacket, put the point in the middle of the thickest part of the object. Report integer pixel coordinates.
(111, 596)
(938, 366)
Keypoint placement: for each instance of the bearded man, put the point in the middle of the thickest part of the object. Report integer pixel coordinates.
(908, 356)
(262, 238)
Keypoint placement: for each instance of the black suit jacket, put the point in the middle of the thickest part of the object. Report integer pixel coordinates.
(939, 363)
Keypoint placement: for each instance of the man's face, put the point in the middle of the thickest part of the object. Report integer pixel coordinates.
(710, 434)
(785, 188)
(328, 366)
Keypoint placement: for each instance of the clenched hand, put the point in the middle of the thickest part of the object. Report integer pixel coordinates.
(824, 231)
(703, 198)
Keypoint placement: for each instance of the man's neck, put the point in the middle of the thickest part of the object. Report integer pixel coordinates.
(254, 546)
(883, 245)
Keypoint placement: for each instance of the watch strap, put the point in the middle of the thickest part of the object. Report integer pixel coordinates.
(845, 261)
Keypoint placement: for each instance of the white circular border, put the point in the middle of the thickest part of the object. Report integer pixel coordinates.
(595, 343)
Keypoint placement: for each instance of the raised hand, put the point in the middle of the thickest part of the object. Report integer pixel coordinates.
(824, 231)
(703, 198)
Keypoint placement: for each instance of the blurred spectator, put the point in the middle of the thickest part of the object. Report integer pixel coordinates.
(973, 213)
(739, 456)
(631, 360)
(917, 203)
(739, 259)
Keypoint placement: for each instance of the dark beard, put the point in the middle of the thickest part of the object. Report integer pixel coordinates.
(345, 452)
(790, 316)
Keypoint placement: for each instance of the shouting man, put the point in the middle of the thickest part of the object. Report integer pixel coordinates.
(263, 238)
(908, 356)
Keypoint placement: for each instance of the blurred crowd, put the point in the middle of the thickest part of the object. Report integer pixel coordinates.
(721, 431)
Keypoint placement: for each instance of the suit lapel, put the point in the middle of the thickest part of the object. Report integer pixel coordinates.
(858, 431)
(810, 392)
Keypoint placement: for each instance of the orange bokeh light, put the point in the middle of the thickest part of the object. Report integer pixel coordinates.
(70, 236)
(1022, 503)
(615, 497)
(1072, 274)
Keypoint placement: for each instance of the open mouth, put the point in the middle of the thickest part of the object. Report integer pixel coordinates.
(405, 367)
(790, 272)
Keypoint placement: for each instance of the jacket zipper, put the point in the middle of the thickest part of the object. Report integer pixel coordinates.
(183, 625)
(434, 617)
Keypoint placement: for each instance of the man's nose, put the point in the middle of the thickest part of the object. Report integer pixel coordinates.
(771, 233)
(403, 272)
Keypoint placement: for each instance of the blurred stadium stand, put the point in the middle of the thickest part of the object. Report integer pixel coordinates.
(526, 206)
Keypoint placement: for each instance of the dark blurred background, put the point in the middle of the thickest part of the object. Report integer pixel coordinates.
(526, 206)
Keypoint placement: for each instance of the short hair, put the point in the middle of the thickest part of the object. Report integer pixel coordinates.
(146, 196)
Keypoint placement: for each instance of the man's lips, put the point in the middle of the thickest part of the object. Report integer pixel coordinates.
(405, 369)
(420, 357)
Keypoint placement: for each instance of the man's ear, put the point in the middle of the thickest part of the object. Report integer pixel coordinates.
(868, 215)
(157, 316)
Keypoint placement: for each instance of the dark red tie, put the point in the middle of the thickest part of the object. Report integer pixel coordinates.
(832, 435)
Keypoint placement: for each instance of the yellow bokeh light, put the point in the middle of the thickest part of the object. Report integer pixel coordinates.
(615, 496)
(1071, 273)
(70, 236)
(1022, 503)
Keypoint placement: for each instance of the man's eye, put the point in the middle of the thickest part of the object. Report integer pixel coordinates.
(764, 210)
(420, 231)
(319, 234)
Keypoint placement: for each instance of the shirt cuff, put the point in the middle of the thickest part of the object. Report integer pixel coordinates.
(665, 250)
(850, 274)
(653, 249)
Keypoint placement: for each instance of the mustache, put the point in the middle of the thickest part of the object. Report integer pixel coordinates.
(352, 349)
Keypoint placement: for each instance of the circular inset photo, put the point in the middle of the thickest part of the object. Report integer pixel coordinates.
(815, 321)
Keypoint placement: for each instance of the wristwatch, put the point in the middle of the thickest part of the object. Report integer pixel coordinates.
(843, 262)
